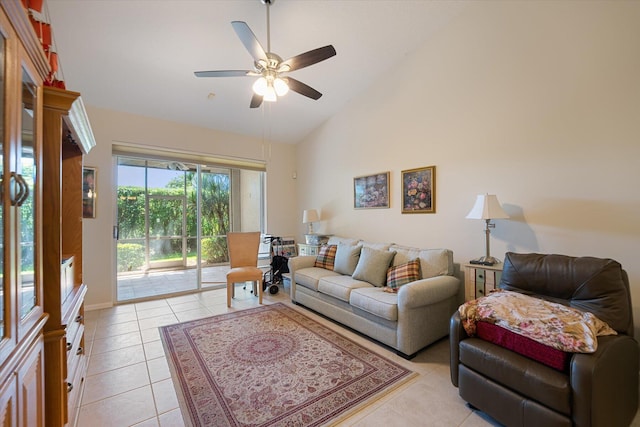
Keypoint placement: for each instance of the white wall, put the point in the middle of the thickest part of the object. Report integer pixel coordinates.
(537, 102)
(109, 127)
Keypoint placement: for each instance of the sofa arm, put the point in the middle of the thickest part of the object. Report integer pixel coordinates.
(427, 291)
(605, 383)
(299, 262)
(456, 334)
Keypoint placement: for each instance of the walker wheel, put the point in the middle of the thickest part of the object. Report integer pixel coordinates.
(273, 289)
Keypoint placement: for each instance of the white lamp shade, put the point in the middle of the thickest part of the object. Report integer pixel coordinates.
(260, 86)
(270, 94)
(280, 87)
(310, 215)
(487, 207)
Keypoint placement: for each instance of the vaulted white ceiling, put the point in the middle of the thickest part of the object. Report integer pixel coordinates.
(138, 56)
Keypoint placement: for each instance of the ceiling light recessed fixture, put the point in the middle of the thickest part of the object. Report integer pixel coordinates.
(270, 69)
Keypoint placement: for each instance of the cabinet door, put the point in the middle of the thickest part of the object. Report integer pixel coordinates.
(31, 392)
(25, 194)
(9, 402)
(7, 314)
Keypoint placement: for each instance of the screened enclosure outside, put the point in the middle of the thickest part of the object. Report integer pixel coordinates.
(172, 220)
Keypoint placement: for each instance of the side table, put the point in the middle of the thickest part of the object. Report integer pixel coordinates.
(479, 280)
(304, 249)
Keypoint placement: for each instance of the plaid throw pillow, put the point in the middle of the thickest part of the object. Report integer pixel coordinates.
(402, 274)
(326, 257)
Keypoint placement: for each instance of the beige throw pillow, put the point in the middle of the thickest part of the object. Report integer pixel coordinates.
(346, 258)
(373, 265)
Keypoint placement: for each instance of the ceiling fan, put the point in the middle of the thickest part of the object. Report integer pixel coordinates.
(272, 72)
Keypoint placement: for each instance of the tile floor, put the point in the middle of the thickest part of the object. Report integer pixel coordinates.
(128, 381)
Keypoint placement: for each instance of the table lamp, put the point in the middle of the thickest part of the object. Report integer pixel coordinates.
(487, 207)
(309, 217)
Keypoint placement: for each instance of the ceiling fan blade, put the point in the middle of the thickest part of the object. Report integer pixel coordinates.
(256, 101)
(249, 40)
(308, 58)
(303, 89)
(224, 73)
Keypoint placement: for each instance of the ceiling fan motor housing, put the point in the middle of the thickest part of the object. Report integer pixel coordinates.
(272, 63)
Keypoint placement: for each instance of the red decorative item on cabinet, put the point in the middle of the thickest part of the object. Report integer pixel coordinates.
(33, 5)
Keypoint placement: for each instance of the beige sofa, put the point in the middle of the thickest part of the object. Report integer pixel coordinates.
(354, 293)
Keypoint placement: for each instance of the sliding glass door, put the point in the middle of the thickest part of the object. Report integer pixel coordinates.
(172, 220)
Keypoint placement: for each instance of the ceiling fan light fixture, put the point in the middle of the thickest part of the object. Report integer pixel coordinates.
(260, 86)
(270, 94)
(281, 86)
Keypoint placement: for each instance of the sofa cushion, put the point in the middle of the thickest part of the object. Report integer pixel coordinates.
(309, 277)
(433, 262)
(525, 346)
(402, 274)
(340, 286)
(372, 266)
(376, 301)
(347, 257)
(326, 257)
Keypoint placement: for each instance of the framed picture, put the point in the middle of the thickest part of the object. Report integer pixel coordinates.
(89, 194)
(371, 191)
(419, 190)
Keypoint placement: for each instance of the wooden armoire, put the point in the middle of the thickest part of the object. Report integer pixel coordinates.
(44, 135)
(67, 137)
(23, 68)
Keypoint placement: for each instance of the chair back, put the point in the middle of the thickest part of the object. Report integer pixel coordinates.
(243, 249)
(596, 285)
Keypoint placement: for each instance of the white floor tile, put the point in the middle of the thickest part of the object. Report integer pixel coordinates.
(129, 383)
(124, 409)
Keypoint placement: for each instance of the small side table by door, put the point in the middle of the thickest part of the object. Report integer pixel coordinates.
(304, 249)
(479, 280)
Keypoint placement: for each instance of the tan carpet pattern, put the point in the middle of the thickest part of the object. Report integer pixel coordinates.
(271, 366)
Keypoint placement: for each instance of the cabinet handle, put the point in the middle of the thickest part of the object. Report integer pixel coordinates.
(19, 195)
(69, 345)
(79, 350)
(15, 189)
(25, 191)
(69, 387)
(79, 318)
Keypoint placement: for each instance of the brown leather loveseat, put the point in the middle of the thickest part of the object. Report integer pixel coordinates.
(597, 389)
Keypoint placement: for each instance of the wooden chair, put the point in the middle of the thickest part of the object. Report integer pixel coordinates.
(243, 259)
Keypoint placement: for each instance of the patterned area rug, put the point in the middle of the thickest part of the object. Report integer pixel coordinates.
(271, 366)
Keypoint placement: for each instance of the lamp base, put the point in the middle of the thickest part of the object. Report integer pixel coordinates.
(485, 260)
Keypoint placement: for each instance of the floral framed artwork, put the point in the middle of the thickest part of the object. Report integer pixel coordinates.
(419, 190)
(89, 195)
(371, 191)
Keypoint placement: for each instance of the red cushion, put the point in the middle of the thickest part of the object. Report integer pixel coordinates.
(544, 354)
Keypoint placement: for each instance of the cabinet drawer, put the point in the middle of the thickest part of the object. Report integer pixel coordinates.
(73, 328)
(308, 249)
(75, 351)
(74, 389)
(480, 280)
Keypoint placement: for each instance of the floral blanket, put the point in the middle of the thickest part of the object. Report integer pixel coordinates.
(555, 325)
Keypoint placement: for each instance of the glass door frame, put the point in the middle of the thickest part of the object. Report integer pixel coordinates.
(214, 278)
